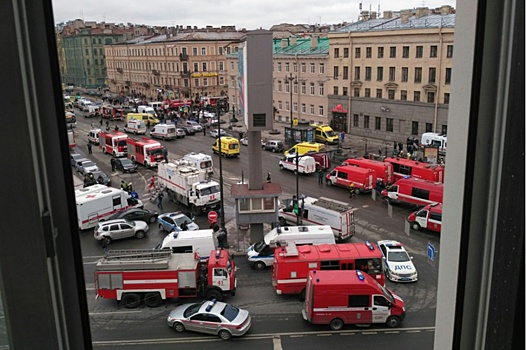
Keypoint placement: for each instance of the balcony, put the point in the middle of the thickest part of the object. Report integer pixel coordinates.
(183, 56)
(146, 85)
(186, 74)
(156, 72)
(120, 70)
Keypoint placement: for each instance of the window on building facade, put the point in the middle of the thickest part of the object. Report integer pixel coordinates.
(368, 73)
(335, 90)
(312, 89)
(368, 52)
(322, 68)
(280, 105)
(205, 81)
(295, 67)
(419, 51)
(336, 72)
(357, 73)
(405, 52)
(232, 65)
(287, 106)
(448, 76)
(287, 87)
(380, 52)
(416, 96)
(303, 108)
(378, 93)
(345, 91)
(87, 62)
(429, 127)
(321, 89)
(446, 98)
(196, 67)
(194, 51)
(312, 68)
(295, 88)
(433, 51)
(367, 92)
(303, 88)
(321, 110)
(94, 52)
(279, 66)
(205, 67)
(444, 129)
(392, 52)
(356, 92)
(303, 67)
(311, 109)
(357, 52)
(336, 52)
(392, 73)
(280, 88)
(418, 75)
(449, 53)
(430, 97)
(377, 123)
(221, 81)
(203, 51)
(221, 66)
(414, 128)
(355, 120)
(391, 94)
(405, 74)
(345, 74)
(287, 67)
(389, 124)
(432, 75)
(366, 122)
(380, 73)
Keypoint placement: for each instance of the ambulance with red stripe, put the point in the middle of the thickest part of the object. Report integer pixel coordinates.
(113, 143)
(338, 298)
(97, 205)
(429, 217)
(293, 263)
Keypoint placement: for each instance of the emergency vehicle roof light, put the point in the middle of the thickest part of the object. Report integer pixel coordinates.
(360, 275)
(211, 305)
(407, 176)
(369, 245)
(175, 234)
(218, 253)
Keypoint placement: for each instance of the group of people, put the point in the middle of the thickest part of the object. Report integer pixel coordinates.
(89, 180)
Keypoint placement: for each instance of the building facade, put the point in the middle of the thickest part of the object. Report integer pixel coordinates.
(391, 76)
(183, 65)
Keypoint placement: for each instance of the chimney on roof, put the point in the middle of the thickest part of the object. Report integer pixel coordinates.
(284, 43)
(365, 15)
(445, 10)
(314, 42)
(404, 15)
(421, 12)
(373, 14)
(388, 14)
(293, 41)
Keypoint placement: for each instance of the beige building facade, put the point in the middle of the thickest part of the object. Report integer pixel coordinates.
(391, 76)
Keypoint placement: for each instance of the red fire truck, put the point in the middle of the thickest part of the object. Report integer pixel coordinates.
(132, 276)
(112, 112)
(113, 142)
(414, 191)
(364, 180)
(404, 167)
(383, 170)
(145, 151)
(293, 263)
(337, 298)
(429, 217)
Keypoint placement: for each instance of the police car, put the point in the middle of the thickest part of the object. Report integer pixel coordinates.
(398, 264)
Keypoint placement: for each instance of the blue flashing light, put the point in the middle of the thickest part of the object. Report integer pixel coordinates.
(360, 275)
(369, 245)
(211, 305)
(407, 176)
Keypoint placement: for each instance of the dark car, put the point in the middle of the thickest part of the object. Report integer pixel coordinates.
(125, 165)
(105, 179)
(189, 130)
(136, 214)
(128, 109)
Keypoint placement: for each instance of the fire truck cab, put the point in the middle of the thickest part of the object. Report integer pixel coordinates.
(145, 151)
(113, 142)
(429, 217)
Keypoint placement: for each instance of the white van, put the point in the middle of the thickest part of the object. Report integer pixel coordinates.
(198, 241)
(135, 126)
(147, 109)
(91, 108)
(164, 132)
(93, 136)
(306, 164)
(261, 254)
(434, 139)
(155, 104)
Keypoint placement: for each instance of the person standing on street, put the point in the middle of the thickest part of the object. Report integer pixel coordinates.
(160, 200)
(152, 184)
(321, 171)
(112, 164)
(269, 180)
(351, 190)
(89, 148)
(204, 130)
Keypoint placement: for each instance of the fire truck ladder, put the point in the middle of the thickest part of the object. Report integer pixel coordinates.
(332, 204)
(142, 259)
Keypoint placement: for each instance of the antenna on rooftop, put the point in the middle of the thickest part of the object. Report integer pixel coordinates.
(360, 6)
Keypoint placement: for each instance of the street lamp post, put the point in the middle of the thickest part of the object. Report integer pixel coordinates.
(222, 207)
(365, 154)
(290, 79)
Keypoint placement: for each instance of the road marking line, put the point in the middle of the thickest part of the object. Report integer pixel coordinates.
(276, 342)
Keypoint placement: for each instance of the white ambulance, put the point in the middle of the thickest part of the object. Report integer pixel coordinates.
(200, 161)
(97, 205)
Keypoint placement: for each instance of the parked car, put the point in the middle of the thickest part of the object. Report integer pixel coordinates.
(85, 166)
(172, 222)
(125, 165)
(214, 132)
(274, 146)
(136, 214)
(188, 130)
(106, 180)
(75, 157)
(120, 228)
(195, 125)
(244, 141)
(222, 319)
(398, 265)
(180, 133)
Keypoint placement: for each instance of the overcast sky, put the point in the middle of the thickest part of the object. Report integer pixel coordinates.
(248, 14)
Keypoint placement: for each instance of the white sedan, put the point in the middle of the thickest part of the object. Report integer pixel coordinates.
(214, 132)
(397, 262)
